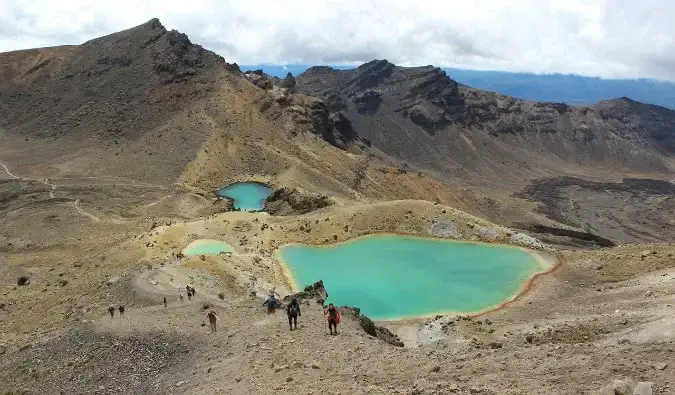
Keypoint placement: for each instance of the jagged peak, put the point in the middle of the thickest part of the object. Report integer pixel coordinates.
(377, 63)
(153, 23)
(151, 27)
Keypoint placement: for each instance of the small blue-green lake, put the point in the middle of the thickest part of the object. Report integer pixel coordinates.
(207, 247)
(394, 277)
(247, 196)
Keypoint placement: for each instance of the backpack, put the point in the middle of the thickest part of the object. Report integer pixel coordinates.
(294, 310)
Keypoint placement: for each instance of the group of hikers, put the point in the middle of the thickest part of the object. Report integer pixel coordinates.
(332, 315)
(111, 310)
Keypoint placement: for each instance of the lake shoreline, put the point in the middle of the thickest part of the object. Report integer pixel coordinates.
(547, 261)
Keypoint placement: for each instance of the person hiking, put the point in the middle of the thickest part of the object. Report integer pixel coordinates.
(111, 310)
(187, 289)
(121, 309)
(293, 311)
(333, 318)
(194, 291)
(272, 304)
(213, 319)
(180, 298)
(165, 302)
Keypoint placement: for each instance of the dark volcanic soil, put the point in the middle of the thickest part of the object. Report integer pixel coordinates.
(633, 210)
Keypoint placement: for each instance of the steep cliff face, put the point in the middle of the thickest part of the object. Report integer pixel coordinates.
(305, 111)
(422, 116)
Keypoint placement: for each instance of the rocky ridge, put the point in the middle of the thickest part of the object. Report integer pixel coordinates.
(421, 115)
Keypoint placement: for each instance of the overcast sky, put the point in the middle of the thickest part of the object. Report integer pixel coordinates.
(609, 38)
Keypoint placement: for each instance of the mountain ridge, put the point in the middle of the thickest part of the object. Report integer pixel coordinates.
(561, 88)
(426, 99)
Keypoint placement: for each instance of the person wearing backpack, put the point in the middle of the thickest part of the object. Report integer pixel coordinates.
(213, 320)
(293, 311)
(333, 318)
(272, 304)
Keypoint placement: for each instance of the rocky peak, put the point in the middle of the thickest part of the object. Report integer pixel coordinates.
(376, 65)
(141, 33)
(371, 74)
(289, 82)
(433, 84)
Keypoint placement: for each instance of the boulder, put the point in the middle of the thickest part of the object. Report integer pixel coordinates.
(23, 280)
(643, 388)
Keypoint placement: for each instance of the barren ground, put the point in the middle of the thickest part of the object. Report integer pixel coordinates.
(605, 314)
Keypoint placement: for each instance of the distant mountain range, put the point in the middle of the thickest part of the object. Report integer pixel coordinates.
(564, 88)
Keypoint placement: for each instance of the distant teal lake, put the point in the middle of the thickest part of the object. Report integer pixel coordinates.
(393, 277)
(207, 247)
(247, 196)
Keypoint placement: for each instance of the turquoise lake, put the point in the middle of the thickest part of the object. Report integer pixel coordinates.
(247, 196)
(393, 277)
(207, 247)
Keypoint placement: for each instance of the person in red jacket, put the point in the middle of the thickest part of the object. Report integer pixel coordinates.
(333, 318)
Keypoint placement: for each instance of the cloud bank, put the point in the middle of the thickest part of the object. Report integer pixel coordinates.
(608, 38)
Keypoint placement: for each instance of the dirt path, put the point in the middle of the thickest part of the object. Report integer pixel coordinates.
(79, 210)
(9, 173)
(76, 202)
(158, 201)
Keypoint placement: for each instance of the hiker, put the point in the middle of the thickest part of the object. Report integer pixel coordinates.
(194, 291)
(213, 319)
(180, 298)
(333, 318)
(293, 311)
(187, 289)
(189, 295)
(111, 310)
(121, 309)
(165, 302)
(272, 304)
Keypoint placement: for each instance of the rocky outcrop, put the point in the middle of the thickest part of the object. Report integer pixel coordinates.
(289, 82)
(222, 205)
(315, 291)
(369, 326)
(259, 79)
(343, 129)
(290, 201)
(367, 102)
(307, 113)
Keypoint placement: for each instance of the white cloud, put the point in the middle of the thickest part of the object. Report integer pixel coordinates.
(610, 38)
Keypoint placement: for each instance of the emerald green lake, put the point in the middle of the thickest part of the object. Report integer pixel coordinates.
(247, 196)
(393, 277)
(207, 247)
